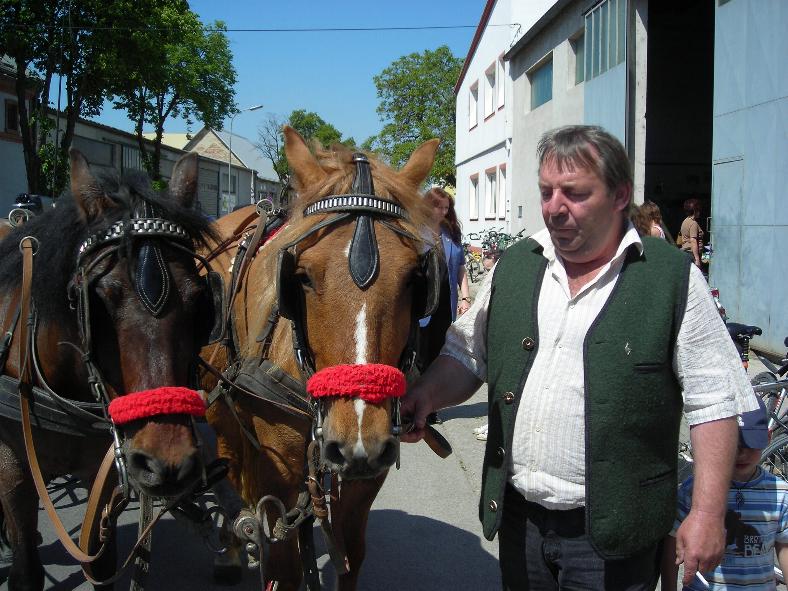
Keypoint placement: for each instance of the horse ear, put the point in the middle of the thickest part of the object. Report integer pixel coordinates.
(183, 184)
(87, 192)
(420, 163)
(306, 168)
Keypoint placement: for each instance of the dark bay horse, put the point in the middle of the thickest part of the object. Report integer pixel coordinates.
(119, 310)
(346, 280)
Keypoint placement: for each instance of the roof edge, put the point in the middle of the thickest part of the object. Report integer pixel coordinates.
(477, 37)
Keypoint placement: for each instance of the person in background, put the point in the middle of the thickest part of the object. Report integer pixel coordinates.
(447, 236)
(592, 341)
(691, 233)
(756, 521)
(652, 213)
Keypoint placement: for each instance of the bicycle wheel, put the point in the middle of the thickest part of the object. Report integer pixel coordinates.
(774, 458)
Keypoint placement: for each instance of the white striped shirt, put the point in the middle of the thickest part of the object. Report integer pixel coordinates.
(548, 449)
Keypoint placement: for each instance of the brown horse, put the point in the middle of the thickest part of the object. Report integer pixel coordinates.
(348, 276)
(118, 301)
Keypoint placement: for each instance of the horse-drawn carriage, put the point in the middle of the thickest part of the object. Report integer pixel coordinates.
(317, 329)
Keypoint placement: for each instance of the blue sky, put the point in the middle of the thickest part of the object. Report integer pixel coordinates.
(329, 73)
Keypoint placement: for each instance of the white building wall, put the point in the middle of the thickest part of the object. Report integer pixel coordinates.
(12, 161)
(565, 108)
(486, 145)
(750, 165)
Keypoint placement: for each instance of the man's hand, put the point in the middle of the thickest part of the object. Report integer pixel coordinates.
(700, 543)
(414, 408)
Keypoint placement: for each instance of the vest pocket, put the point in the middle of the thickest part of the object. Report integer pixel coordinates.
(649, 367)
(656, 479)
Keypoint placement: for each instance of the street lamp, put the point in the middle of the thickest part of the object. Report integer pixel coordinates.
(230, 148)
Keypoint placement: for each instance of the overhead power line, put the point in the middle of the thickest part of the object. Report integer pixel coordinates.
(274, 29)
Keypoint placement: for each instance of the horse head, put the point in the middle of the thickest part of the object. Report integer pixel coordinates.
(142, 310)
(354, 276)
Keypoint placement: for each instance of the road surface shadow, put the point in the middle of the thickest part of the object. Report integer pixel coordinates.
(465, 411)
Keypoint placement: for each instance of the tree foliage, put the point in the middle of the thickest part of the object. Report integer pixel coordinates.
(310, 125)
(417, 103)
(56, 38)
(177, 68)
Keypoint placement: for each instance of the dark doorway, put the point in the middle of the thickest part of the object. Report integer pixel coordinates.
(679, 100)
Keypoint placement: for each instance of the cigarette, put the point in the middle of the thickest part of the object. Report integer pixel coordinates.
(702, 579)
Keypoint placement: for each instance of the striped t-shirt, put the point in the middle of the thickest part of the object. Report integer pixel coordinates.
(752, 527)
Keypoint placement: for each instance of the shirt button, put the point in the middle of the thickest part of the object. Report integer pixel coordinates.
(493, 506)
(538, 428)
(508, 397)
(529, 344)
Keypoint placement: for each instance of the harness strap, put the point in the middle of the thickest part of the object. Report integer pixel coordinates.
(5, 346)
(25, 395)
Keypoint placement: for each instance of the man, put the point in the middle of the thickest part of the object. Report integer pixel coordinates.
(591, 340)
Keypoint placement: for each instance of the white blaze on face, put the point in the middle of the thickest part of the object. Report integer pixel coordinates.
(358, 449)
(361, 358)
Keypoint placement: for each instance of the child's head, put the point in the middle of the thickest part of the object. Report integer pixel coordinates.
(753, 437)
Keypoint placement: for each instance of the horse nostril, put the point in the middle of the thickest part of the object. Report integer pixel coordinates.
(388, 455)
(145, 467)
(333, 453)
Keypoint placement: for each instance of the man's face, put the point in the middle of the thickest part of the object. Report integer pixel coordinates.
(583, 218)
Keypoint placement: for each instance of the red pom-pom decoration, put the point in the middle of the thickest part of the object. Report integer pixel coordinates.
(169, 400)
(372, 382)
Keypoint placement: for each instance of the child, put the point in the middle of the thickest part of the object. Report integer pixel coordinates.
(756, 522)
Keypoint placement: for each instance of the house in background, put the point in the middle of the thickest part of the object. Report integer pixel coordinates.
(249, 175)
(484, 116)
(696, 92)
(12, 158)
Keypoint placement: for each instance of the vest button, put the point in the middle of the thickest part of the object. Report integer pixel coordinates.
(508, 397)
(493, 506)
(529, 344)
(501, 452)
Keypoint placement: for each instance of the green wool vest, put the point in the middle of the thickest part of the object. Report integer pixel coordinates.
(633, 401)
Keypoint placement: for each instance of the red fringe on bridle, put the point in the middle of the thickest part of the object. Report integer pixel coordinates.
(168, 400)
(372, 382)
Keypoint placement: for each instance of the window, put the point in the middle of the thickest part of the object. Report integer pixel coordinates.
(473, 208)
(490, 193)
(11, 117)
(604, 41)
(489, 91)
(473, 102)
(502, 191)
(233, 181)
(578, 45)
(542, 84)
(501, 82)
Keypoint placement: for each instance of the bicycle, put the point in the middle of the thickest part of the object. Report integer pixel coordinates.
(473, 262)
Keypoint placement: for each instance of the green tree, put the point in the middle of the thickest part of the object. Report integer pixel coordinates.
(178, 68)
(310, 125)
(417, 103)
(49, 38)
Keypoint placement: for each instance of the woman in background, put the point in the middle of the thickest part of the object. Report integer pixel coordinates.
(691, 232)
(446, 236)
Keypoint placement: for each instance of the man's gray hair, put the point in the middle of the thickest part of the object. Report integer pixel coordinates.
(589, 147)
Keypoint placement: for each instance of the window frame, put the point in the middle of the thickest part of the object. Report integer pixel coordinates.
(473, 105)
(577, 43)
(501, 73)
(14, 108)
(490, 90)
(491, 193)
(605, 33)
(501, 187)
(473, 198)
(537, 69)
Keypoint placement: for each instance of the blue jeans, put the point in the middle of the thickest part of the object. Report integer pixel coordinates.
(542, 549)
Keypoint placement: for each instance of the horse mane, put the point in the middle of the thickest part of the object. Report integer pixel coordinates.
(61, 230)
(338, 164)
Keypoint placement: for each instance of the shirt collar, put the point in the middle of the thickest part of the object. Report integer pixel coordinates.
(631, 236)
